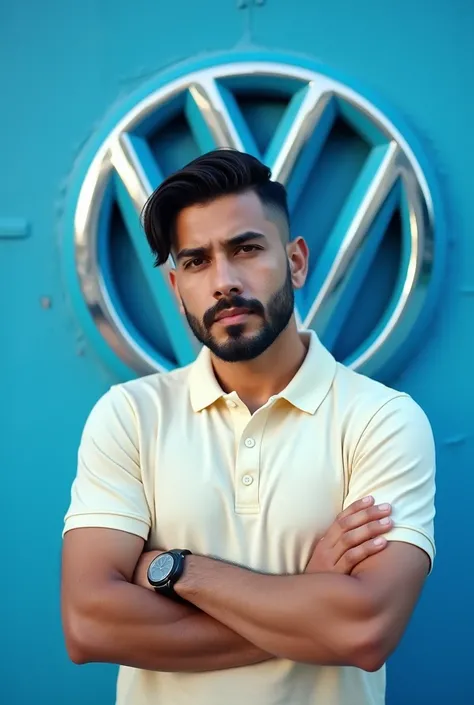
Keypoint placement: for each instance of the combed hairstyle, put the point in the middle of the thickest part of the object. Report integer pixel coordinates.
(217, 173)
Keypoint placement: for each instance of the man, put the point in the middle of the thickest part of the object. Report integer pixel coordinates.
(246, 458)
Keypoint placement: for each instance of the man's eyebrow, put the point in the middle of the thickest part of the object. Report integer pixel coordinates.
(245, 237)
(191, 252)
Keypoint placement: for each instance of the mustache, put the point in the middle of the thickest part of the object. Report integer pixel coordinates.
(252, 306)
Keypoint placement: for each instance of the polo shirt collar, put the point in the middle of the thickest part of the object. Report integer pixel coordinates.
(305, 391)
(203, 386)
(310, 385)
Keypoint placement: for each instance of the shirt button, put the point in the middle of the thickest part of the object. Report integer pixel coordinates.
(247, 480)
(249, 442)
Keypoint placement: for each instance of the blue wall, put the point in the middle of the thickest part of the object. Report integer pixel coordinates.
(63, 65)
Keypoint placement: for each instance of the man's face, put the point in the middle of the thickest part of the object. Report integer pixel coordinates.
(233, 275)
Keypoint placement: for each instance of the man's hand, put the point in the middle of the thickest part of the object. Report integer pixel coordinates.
(355, 535)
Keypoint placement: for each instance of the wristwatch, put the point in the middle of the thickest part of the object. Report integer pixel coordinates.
(165, 570)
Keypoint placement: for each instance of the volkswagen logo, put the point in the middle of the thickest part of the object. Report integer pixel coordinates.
(358, 191)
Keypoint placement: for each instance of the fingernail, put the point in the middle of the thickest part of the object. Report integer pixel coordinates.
(379, 541)
(368, 499)
(385, 521)
(384, 507)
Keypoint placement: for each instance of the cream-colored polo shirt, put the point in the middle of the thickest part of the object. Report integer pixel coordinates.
(173, 459)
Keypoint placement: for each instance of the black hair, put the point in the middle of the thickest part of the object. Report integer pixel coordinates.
(217, 173)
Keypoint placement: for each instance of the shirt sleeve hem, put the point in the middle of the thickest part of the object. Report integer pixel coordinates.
(107, 521)
(416, 537)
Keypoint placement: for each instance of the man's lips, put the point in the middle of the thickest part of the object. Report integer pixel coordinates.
(232, 315)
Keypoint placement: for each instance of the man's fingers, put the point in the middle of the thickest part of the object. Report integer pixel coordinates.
(334, 530)
(350, 539)
(356, 506)
(360, 515)
(359, 553)
(364, 516)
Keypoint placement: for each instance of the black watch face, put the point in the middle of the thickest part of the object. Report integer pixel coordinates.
(160, 568)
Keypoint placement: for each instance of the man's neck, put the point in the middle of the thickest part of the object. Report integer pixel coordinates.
(255, 381)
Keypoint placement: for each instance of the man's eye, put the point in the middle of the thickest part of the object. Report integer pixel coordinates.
(193, 263)
(247, 248)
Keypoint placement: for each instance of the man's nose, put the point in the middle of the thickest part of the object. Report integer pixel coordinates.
(226, 282)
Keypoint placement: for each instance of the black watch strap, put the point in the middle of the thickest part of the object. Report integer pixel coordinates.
(169, 592)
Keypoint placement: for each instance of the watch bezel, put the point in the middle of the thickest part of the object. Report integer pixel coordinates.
(175, 572)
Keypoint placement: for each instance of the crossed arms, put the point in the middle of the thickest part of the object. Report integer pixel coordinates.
(353, 613)
(350, 607)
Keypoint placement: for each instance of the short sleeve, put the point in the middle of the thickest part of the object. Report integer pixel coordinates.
(394, 461)
(107, 491)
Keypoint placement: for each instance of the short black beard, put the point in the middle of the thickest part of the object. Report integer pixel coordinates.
(241, 348)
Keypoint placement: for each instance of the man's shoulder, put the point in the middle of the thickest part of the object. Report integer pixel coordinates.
(363, 389)
(141, 399)
(130, 408)
(362, 398)
(155, 389)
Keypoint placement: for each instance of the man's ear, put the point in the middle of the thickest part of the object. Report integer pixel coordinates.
(174, 285)
(298, 257)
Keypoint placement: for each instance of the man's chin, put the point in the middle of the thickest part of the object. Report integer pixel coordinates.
(238, 347)
(237, 332)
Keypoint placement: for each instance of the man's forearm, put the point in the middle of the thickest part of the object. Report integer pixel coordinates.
(129, 625)
(324, 619)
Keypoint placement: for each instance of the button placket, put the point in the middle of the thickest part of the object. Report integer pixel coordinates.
(247, 469)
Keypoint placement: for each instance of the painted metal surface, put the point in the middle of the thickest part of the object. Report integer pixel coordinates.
(64, 87)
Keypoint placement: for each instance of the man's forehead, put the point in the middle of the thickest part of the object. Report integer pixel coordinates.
(219, 220)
